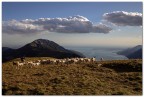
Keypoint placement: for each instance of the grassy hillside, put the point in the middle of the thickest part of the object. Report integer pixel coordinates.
(112, 78)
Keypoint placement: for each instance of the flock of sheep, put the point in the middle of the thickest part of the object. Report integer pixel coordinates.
(54, 61)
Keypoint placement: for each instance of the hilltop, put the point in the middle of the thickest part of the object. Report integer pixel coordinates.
(117, 77)
(39, 48)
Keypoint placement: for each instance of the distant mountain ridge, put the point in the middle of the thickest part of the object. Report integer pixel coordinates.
(6, 49)
(39, 48)
(132, 53)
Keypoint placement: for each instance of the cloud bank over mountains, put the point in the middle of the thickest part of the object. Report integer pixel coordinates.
(72, 24)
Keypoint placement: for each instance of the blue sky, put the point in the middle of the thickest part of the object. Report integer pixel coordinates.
(125, 35)
(93, 11)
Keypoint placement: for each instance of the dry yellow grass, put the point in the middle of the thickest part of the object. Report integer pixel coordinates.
(122, 77)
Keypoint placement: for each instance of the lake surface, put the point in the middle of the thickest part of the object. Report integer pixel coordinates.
(100, 52)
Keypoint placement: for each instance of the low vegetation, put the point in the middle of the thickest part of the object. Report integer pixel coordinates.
(121, 77)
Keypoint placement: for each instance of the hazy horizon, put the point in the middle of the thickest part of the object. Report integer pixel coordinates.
(76, 46)
(87, 24)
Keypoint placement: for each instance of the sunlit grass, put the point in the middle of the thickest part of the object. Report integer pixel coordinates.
(121, 77)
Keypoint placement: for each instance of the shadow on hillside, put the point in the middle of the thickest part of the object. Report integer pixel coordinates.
(124, 67)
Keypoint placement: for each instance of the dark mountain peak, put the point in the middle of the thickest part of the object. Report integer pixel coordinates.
(41, 48)
(41, 41)
(138, 47)
(44, 44)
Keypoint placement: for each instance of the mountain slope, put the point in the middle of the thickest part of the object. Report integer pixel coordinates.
(42, 48)
(132, 53)
(136, 55)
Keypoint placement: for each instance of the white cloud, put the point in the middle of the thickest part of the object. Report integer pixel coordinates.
(101, 28)
(72, 24)
(16, 27)
(122, 18)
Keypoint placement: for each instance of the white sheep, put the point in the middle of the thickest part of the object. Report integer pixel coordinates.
(69, 61)
(36, 64)
(30, 63)
(63, 61)
(18, 64)
(93, 60)
(45, 61)
(99, 65)
(87, 60)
